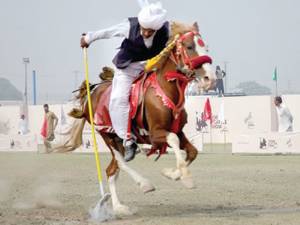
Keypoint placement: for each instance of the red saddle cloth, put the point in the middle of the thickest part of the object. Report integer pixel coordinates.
(138, 89)
(102, 118)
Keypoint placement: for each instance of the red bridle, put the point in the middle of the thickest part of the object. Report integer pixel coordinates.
(181, 52)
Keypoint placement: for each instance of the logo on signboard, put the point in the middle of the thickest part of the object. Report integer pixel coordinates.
(262, 143)
(249, 121)
(217, 123)
(267, 143)
(289, 143)
(201, 124)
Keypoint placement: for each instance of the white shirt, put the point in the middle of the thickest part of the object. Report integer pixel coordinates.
(120, 30)
(23, 127)
(219, 74)
(285, 119)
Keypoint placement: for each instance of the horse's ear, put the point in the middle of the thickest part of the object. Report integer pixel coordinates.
(196, 27)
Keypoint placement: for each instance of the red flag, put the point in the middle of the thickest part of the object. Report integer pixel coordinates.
(207, 111)
(44, 128)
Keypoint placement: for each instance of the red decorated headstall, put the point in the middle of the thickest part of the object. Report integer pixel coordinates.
(192, 63)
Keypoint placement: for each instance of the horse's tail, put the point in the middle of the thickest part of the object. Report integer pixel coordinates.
(76, 113)
(81, 96)
(82, 92)
(73, 137)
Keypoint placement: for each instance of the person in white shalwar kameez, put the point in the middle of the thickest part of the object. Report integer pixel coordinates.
(285, 118)
(144, 37)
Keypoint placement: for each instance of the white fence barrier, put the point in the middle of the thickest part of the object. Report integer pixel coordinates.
(267, 143)
(18, 143)
(232, 116)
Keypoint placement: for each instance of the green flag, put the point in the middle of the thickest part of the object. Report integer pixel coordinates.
(275, 74)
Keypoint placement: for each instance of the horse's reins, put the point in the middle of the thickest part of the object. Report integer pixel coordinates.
(191, 63)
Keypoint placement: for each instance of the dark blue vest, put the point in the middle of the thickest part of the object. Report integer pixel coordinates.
(133, 48)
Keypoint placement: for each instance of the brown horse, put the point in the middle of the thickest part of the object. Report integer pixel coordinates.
(162, 109)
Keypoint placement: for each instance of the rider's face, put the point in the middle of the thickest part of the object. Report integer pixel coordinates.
(146, 33)
(46, 109)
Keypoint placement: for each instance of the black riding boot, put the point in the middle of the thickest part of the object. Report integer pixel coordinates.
(130, 151)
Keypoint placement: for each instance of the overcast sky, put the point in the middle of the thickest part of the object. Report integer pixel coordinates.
(253, 36)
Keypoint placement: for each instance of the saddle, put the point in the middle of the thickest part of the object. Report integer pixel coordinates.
(138, 89)
(102, 118)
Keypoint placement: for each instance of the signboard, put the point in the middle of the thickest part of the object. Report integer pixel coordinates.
(18, 143)
(267, 143)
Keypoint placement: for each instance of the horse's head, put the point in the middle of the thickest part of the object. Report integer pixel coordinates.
(191, 55)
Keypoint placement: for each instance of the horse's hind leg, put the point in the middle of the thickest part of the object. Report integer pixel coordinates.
(112, 172)
(118, 208)
(142, 182)
(181, 165)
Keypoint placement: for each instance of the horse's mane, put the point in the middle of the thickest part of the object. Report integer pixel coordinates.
(176, 28)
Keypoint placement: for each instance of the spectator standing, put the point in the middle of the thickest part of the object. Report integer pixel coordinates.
(48, 128)
(285, 118)
(220, 74)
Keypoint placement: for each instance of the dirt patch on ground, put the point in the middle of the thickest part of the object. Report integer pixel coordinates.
(61, 188)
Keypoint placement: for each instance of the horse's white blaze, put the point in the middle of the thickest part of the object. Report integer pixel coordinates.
(199, 49)
(207, 68)
(141, 181)
(207, 75)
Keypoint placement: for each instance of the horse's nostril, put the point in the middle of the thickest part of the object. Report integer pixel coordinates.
(206, 78)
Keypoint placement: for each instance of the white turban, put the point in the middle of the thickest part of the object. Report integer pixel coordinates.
(152, 16)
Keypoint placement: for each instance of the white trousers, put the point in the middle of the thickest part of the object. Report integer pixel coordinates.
(119, 100)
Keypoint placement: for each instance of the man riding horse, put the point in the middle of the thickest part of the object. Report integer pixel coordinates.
(178, 56)
(145, 37)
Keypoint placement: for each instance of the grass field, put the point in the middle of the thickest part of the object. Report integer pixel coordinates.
(231, 189)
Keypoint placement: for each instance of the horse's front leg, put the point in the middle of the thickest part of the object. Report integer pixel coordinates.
(191, 154)
(181, 170)
(191, 150)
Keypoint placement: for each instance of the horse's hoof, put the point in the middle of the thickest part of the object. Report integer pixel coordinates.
(147, 187)
(173, 174)
(122, 210)
(187, 182)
